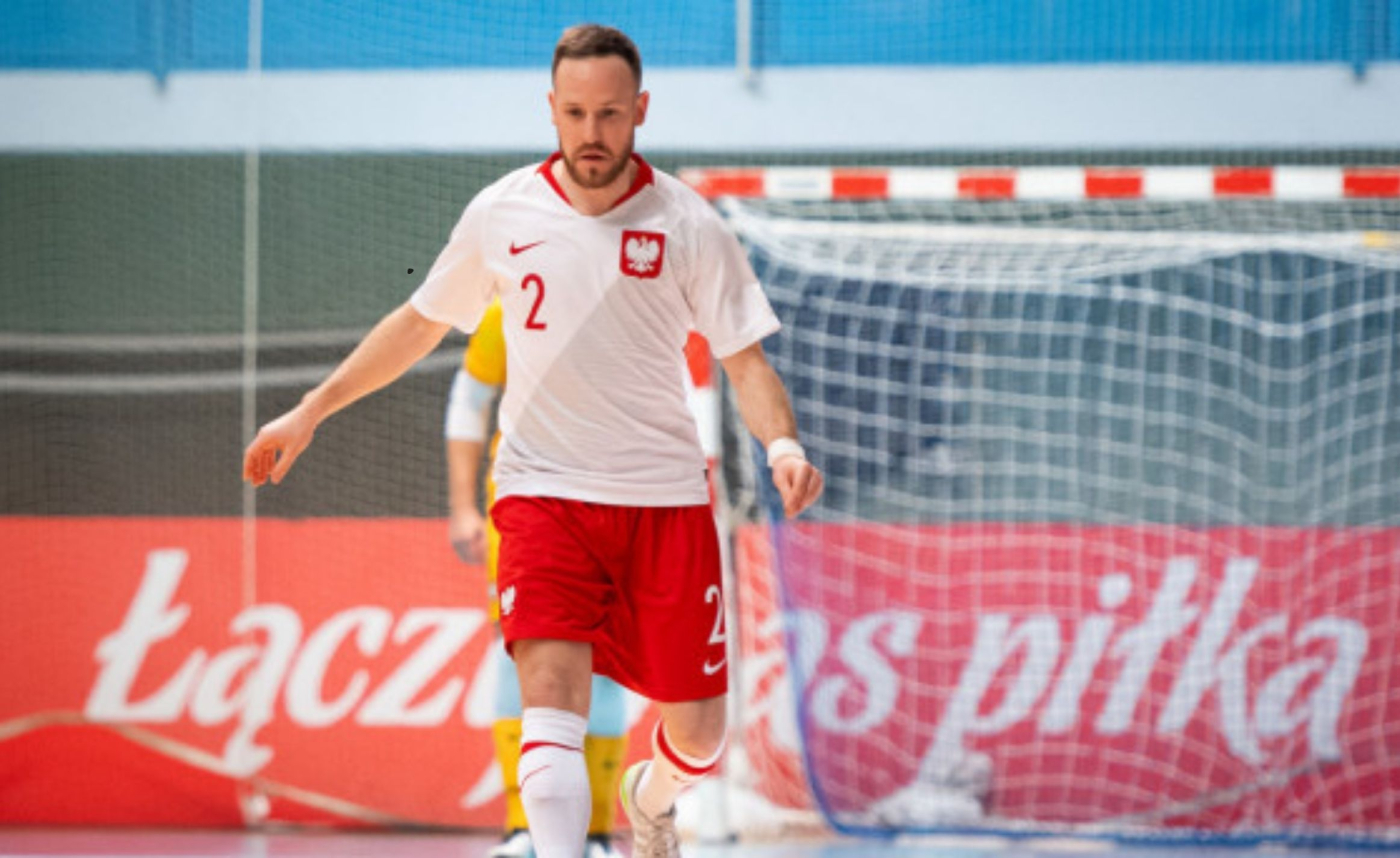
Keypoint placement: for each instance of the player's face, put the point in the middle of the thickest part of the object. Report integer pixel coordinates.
(596, 109)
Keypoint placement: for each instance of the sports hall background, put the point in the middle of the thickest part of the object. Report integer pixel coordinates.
(126, 130)
(135, 135)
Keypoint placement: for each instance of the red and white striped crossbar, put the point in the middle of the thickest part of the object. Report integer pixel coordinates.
(1046, 183)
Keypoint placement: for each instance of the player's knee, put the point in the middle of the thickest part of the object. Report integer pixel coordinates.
(554, 674)
(700, 746)
(553, 689)
(697, 729)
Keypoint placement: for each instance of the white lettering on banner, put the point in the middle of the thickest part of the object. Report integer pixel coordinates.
(1325, 705)
(1062, 712)
(1200, 671)
(811, 633)
(148, 621)
(208, 687)
(863, 658)
(306, 703)
(1232, 689)
(1250, 709)
(1141, 646)
(1040, 637)
(390, 705)
(1271, 719)
(256, 699)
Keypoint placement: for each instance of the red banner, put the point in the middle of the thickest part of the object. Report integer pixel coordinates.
(1212, 678)
(152, 676)
(1216, 678)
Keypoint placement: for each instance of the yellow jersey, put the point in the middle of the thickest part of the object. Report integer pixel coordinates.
(485, 361)
(485, 357)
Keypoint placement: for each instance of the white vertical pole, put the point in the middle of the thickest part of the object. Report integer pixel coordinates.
(252, 801)
(251, 203)
(743, 39)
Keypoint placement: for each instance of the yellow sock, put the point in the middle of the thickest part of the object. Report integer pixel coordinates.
(604, 756)
(506, 733)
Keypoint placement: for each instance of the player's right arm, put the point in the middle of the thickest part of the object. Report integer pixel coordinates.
(456, 292)
(400, 340)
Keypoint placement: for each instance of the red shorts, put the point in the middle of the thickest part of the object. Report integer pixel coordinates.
(642, 584)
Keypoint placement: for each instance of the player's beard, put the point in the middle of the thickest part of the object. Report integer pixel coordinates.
(595, 177)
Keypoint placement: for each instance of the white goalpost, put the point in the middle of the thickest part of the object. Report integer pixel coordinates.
(1111, 530)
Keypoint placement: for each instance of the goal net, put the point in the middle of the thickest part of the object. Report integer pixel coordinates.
(1111, 526)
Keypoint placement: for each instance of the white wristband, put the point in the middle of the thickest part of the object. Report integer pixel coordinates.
(783, 447)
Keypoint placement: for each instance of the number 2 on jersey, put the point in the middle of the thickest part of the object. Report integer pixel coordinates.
(713, 594)
(531, 322)
(717, 638)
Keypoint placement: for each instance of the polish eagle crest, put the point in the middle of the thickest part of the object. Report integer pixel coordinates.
(642, 253)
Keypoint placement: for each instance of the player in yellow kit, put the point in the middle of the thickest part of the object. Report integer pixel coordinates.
(474, 391)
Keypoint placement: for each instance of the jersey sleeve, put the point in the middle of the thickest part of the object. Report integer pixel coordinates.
(729, 307)
(485, 358)
(460, 284)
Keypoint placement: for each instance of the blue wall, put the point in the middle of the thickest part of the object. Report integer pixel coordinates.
(164, 35)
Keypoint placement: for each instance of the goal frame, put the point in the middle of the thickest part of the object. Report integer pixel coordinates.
(1061, 184)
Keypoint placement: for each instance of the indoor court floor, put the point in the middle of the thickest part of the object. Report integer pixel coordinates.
(124, 843)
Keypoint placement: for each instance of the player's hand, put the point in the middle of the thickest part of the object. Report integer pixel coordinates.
(467, 531)
(798, 482)
(277, 446)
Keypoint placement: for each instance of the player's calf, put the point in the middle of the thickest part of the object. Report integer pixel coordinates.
(671, 773)
(649, 792)
(554, 781)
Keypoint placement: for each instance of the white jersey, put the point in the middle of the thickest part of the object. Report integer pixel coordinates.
(596, 312)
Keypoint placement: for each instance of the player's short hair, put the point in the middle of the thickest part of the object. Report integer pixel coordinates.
(595, 40)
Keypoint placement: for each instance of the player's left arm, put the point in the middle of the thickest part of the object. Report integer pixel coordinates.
(767, 411)
(465, 429)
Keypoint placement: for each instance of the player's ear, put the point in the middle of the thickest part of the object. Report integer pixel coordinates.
(643, 99)
(553, 117)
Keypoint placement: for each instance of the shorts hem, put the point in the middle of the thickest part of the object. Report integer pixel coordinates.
(570, 637)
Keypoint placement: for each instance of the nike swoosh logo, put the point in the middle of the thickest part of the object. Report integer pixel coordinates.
(532, 774)
(712, 669)
(514, 250)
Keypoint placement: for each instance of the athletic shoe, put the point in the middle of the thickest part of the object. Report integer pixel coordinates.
(600, 846)
(652, 837)
(515, 845)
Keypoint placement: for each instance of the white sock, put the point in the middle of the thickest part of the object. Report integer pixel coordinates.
(553, 781)
(670, 774)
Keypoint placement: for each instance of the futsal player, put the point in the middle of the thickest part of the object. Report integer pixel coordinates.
(609, 560)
